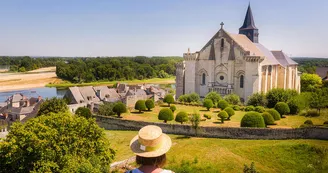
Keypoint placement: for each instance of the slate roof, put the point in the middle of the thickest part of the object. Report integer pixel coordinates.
(121, 88)
(105, 91)
(76, 94)
(283, 59)
(136, 92)
(322, 72)
(269, 57)
(249, 20)
(18, 97)
(88, 94)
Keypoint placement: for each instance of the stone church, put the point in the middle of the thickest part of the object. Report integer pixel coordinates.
(236, 63)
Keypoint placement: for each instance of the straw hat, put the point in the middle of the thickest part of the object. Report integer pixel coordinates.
(150, 142)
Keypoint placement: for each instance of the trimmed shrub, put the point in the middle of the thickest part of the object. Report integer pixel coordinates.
(208, 104)
(207, 116)
(268, 119)
(150, 104)
(236, 107)
(165, 114)
(308, 122)
(140, 105)
(279, 95)
(182, 117)
(83, 112)
(312, 113)
(303, 113)
(249, 108)
(214, 96)
(173, 108)
(257, 99)
(232, 99)
(119, 108)
(223, 104)
(275, 114)
(252, 119)
(230, 112)
(223, 115)
(325, 123)
(293, 106)
(259, 109)
(282, 108)
(168, 99)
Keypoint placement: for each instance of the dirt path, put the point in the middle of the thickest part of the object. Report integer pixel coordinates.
(31, 79)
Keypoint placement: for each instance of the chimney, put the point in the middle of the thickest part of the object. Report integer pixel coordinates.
(27, 103)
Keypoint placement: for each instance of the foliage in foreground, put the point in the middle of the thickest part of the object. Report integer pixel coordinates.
(56, 143)
(83, 112)
(53, 105)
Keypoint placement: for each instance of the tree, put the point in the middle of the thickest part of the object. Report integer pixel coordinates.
(208, 103)
(275, 114)
(230, 112)
(165, 114)
(223, 115)
(310, 82)
(181, 117)
(214, 96)
(83, 112)
(140, 105)
(268, 119)
(193, 97)
(282, 108)
(249, 108)
(257, 99)
(250, 169)
(150, 104)
(279, 95)
(223, 104)
(232, 99)
(195, 121)
(259, 109)
(119, 108)
(53, 105)
(173, 108)
(168, 99)
(106, 109)
(319, 99)
(56, 143)
(252, 119)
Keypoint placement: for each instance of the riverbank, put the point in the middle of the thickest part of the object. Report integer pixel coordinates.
(65, 84)
(27, 80)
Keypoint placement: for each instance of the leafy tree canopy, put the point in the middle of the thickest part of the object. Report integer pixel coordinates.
(53, 105)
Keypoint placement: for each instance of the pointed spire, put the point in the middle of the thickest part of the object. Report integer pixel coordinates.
(249, 20)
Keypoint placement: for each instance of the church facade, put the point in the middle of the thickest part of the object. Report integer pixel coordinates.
(236, 63)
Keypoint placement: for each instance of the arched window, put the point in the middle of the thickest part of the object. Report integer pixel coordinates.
(241, 81)
(203, 78)
(222, 43)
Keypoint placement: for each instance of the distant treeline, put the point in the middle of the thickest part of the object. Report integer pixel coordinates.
(116, 68)
(309, 65)
(26, 63)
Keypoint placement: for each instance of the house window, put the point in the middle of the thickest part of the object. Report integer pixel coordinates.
(203, 79)
(241, 81)
(222, 43)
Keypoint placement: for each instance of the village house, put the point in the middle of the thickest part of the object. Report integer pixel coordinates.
(236, 63)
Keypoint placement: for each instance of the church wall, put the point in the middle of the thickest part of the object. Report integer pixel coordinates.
(251, 78)
(281, 77)
(179, 80)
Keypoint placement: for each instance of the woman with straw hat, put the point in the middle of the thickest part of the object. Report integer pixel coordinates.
(150, 146)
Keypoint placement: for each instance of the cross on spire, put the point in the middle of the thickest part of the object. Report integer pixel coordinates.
(221, 25)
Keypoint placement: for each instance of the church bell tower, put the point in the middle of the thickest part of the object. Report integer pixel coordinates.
(249, 29)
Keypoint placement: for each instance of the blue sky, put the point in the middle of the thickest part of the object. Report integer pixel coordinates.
(155, 27)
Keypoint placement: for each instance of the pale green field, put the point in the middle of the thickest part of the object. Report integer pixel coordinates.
(288, 122)
(229, 155)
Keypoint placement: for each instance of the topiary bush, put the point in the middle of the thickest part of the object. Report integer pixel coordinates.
(268, 119)
(293, 106)
(165, 114)
(208, 104)
(257, 99)
(182, 117)
(173, 108)
(140, 105)
(252, 119)
(236, 107)
(279, 95)
(119, 108)
(150, 104)
(168, 99)
(312, 113)
(282, 108)
(308, 122)
(232, 99)
(259, 109)
(249, 108)
(303, 113)
(214, 96)
(230, 112)
(223, 104)
(207, 116)
(275, 114)
(223, 115)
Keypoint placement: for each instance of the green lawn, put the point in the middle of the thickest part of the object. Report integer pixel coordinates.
(229, 155)
(288, 122)
(67, 84)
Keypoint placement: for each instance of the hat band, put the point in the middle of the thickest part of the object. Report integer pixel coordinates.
(150, 148)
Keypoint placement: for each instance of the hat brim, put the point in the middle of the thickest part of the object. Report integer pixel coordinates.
(164, 148)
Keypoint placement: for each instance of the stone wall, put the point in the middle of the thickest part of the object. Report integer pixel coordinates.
(111, 123)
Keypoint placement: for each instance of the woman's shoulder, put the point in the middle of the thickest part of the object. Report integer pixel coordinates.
(166, 171)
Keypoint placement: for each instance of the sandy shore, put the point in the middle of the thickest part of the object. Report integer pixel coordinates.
(32, 79)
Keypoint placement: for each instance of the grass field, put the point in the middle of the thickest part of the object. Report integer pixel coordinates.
(66, 84)
(288, 122)
(229, 155)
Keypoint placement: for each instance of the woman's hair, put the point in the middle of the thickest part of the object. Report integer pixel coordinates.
(156, 161)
